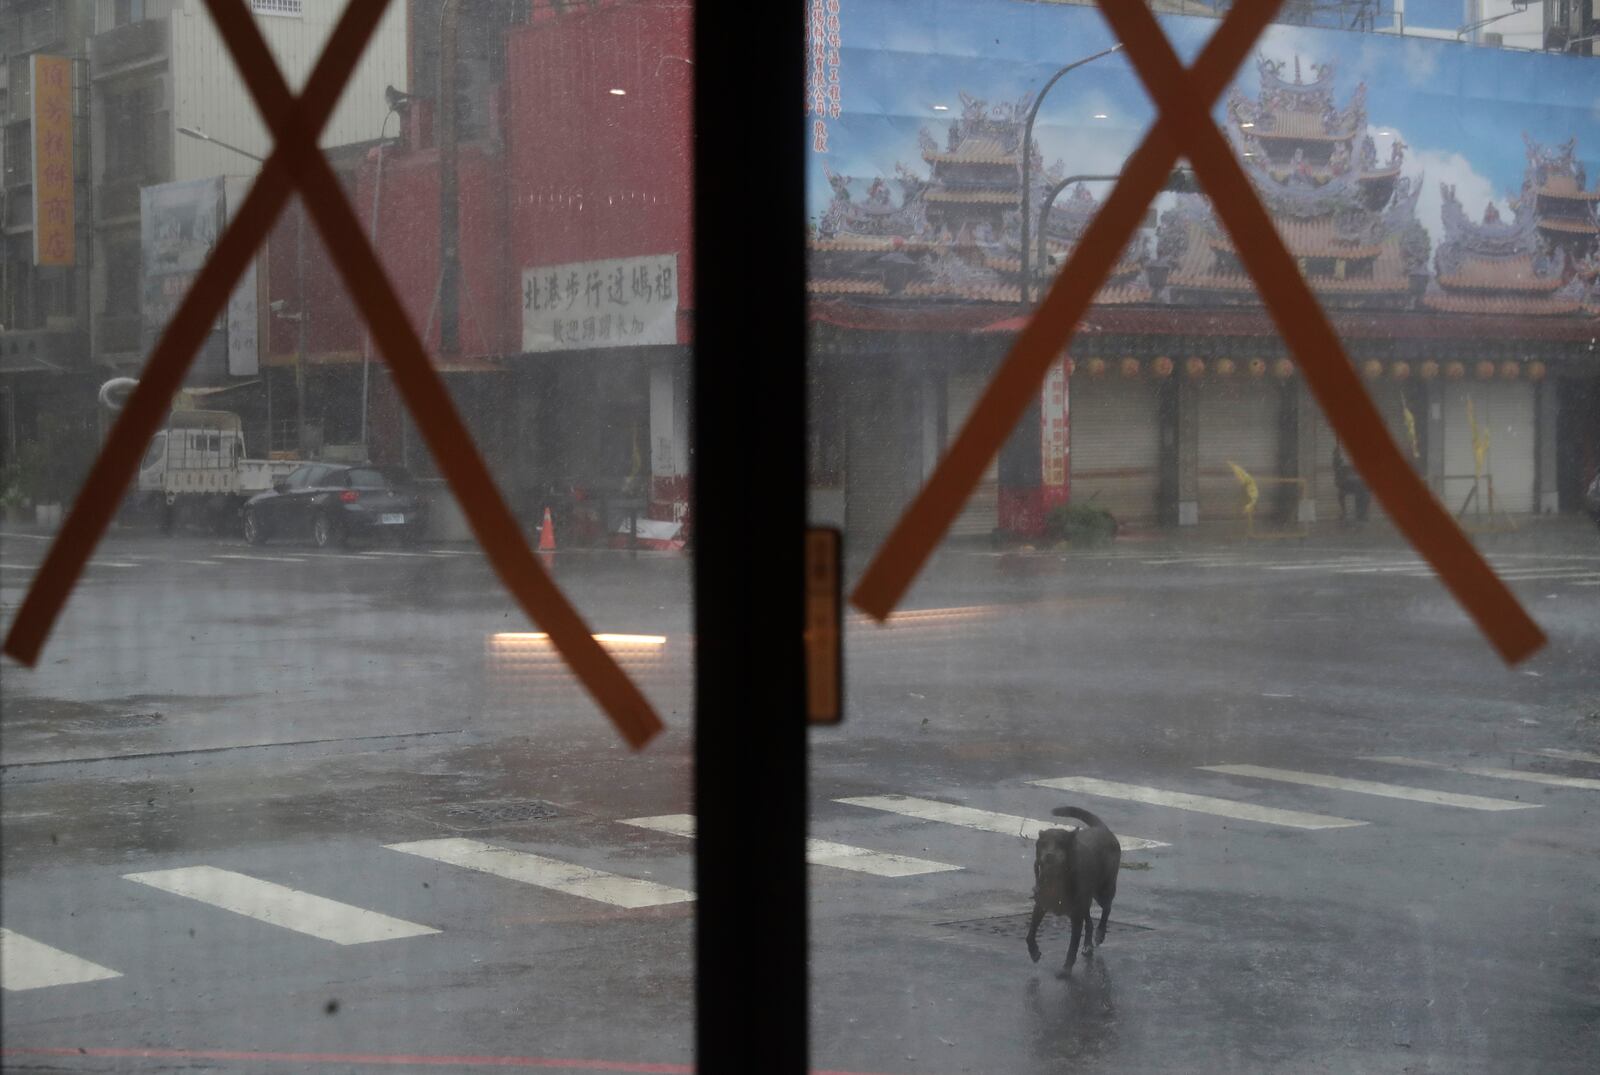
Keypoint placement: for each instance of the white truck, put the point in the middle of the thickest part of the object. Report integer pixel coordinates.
(195, 470)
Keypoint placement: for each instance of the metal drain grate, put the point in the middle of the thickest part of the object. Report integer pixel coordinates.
(1054, 927)
(495, 813)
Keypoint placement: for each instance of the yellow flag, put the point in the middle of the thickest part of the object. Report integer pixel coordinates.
(1480, 441)
(1411, 427)
(1251, 492)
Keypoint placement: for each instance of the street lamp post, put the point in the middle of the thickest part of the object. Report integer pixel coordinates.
(1181, 181)
(1027, 148)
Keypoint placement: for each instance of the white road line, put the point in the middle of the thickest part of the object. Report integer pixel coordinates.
(280, 905)
(1322, 565)
(18, 567)
(112, 563)
(1533, 574)
(1193, 561)
(395, 552)
(818, 852)
(1570, 755)
(201, 563)
(983, 820)
(264, 559)
(29, 964)
(1200, 804)
(549, 873)
(1384, 569)
(26, 537)
(1496, 773)
(1370, 787)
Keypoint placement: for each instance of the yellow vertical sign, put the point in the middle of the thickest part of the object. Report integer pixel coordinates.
(53, 236)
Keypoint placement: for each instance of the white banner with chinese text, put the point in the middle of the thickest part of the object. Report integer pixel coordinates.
(617, 302)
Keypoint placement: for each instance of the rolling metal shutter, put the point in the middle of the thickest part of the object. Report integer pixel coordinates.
(981, 514)
(876, 486)
(1504, 410)
(1116, 446)
(1238, 424)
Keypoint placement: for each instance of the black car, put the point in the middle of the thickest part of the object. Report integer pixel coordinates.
(330, 504)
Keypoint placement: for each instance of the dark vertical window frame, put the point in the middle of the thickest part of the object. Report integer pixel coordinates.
(749, 437)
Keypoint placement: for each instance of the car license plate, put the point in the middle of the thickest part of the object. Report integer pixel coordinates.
(393, 520)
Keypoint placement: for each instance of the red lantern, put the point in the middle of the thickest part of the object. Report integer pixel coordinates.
(1097, 367)
(1536, 371)
(1428, 370)
(1454, 371)
(1223, 367)
(1372, 368)
(1258, 367)
(1195, 368)
(1484, 370)
(1130, 367)
(1510, 371)
(1400, 371)
(1283, 369)
(1161, 367)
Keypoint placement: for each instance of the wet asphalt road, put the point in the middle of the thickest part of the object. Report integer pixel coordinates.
(203, 714)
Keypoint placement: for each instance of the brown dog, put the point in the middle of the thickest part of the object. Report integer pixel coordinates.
(1071, 868)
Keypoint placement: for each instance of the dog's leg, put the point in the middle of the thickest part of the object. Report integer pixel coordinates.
(1072, 949)
(1033, 931)
(1105, 916)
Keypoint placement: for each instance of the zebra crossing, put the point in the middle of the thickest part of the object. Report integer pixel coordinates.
(1230, 792)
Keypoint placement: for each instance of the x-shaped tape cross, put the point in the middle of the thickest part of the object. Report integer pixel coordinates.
(296, 163)
(1183, 124)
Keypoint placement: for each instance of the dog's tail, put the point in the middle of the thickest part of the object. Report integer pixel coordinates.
(1082, 815)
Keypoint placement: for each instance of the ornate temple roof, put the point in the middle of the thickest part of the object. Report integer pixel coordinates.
(1555, 171)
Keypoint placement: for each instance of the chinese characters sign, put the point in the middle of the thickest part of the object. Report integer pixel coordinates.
(1053, 432)
(618, 302)
(822, 68)
(53, 236)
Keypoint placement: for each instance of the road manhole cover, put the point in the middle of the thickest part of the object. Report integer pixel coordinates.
(484, 814)
(1014, 927)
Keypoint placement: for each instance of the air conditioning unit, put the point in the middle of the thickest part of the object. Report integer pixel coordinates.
(1493, 40)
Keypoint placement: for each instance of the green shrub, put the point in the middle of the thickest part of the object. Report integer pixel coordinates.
(1080, 525)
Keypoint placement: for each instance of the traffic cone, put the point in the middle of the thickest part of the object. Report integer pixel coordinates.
(547, 539)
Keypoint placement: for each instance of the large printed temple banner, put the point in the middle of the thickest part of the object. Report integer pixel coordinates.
(1405, 174)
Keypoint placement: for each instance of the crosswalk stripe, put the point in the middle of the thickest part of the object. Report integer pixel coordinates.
(543, 872)
(279, 905)
(1371, 787)
(1496, 773)
(818, 852)
(1201, 804)
(29, 964)
(263, 559)
(983, 820)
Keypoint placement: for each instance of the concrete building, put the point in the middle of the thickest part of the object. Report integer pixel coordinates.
(159, 68)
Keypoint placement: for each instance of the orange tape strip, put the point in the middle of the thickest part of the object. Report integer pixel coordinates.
(926, 519)
(419, 383)
(1184, 100)
(1316, 346)
(163, 374)
(425, 394)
